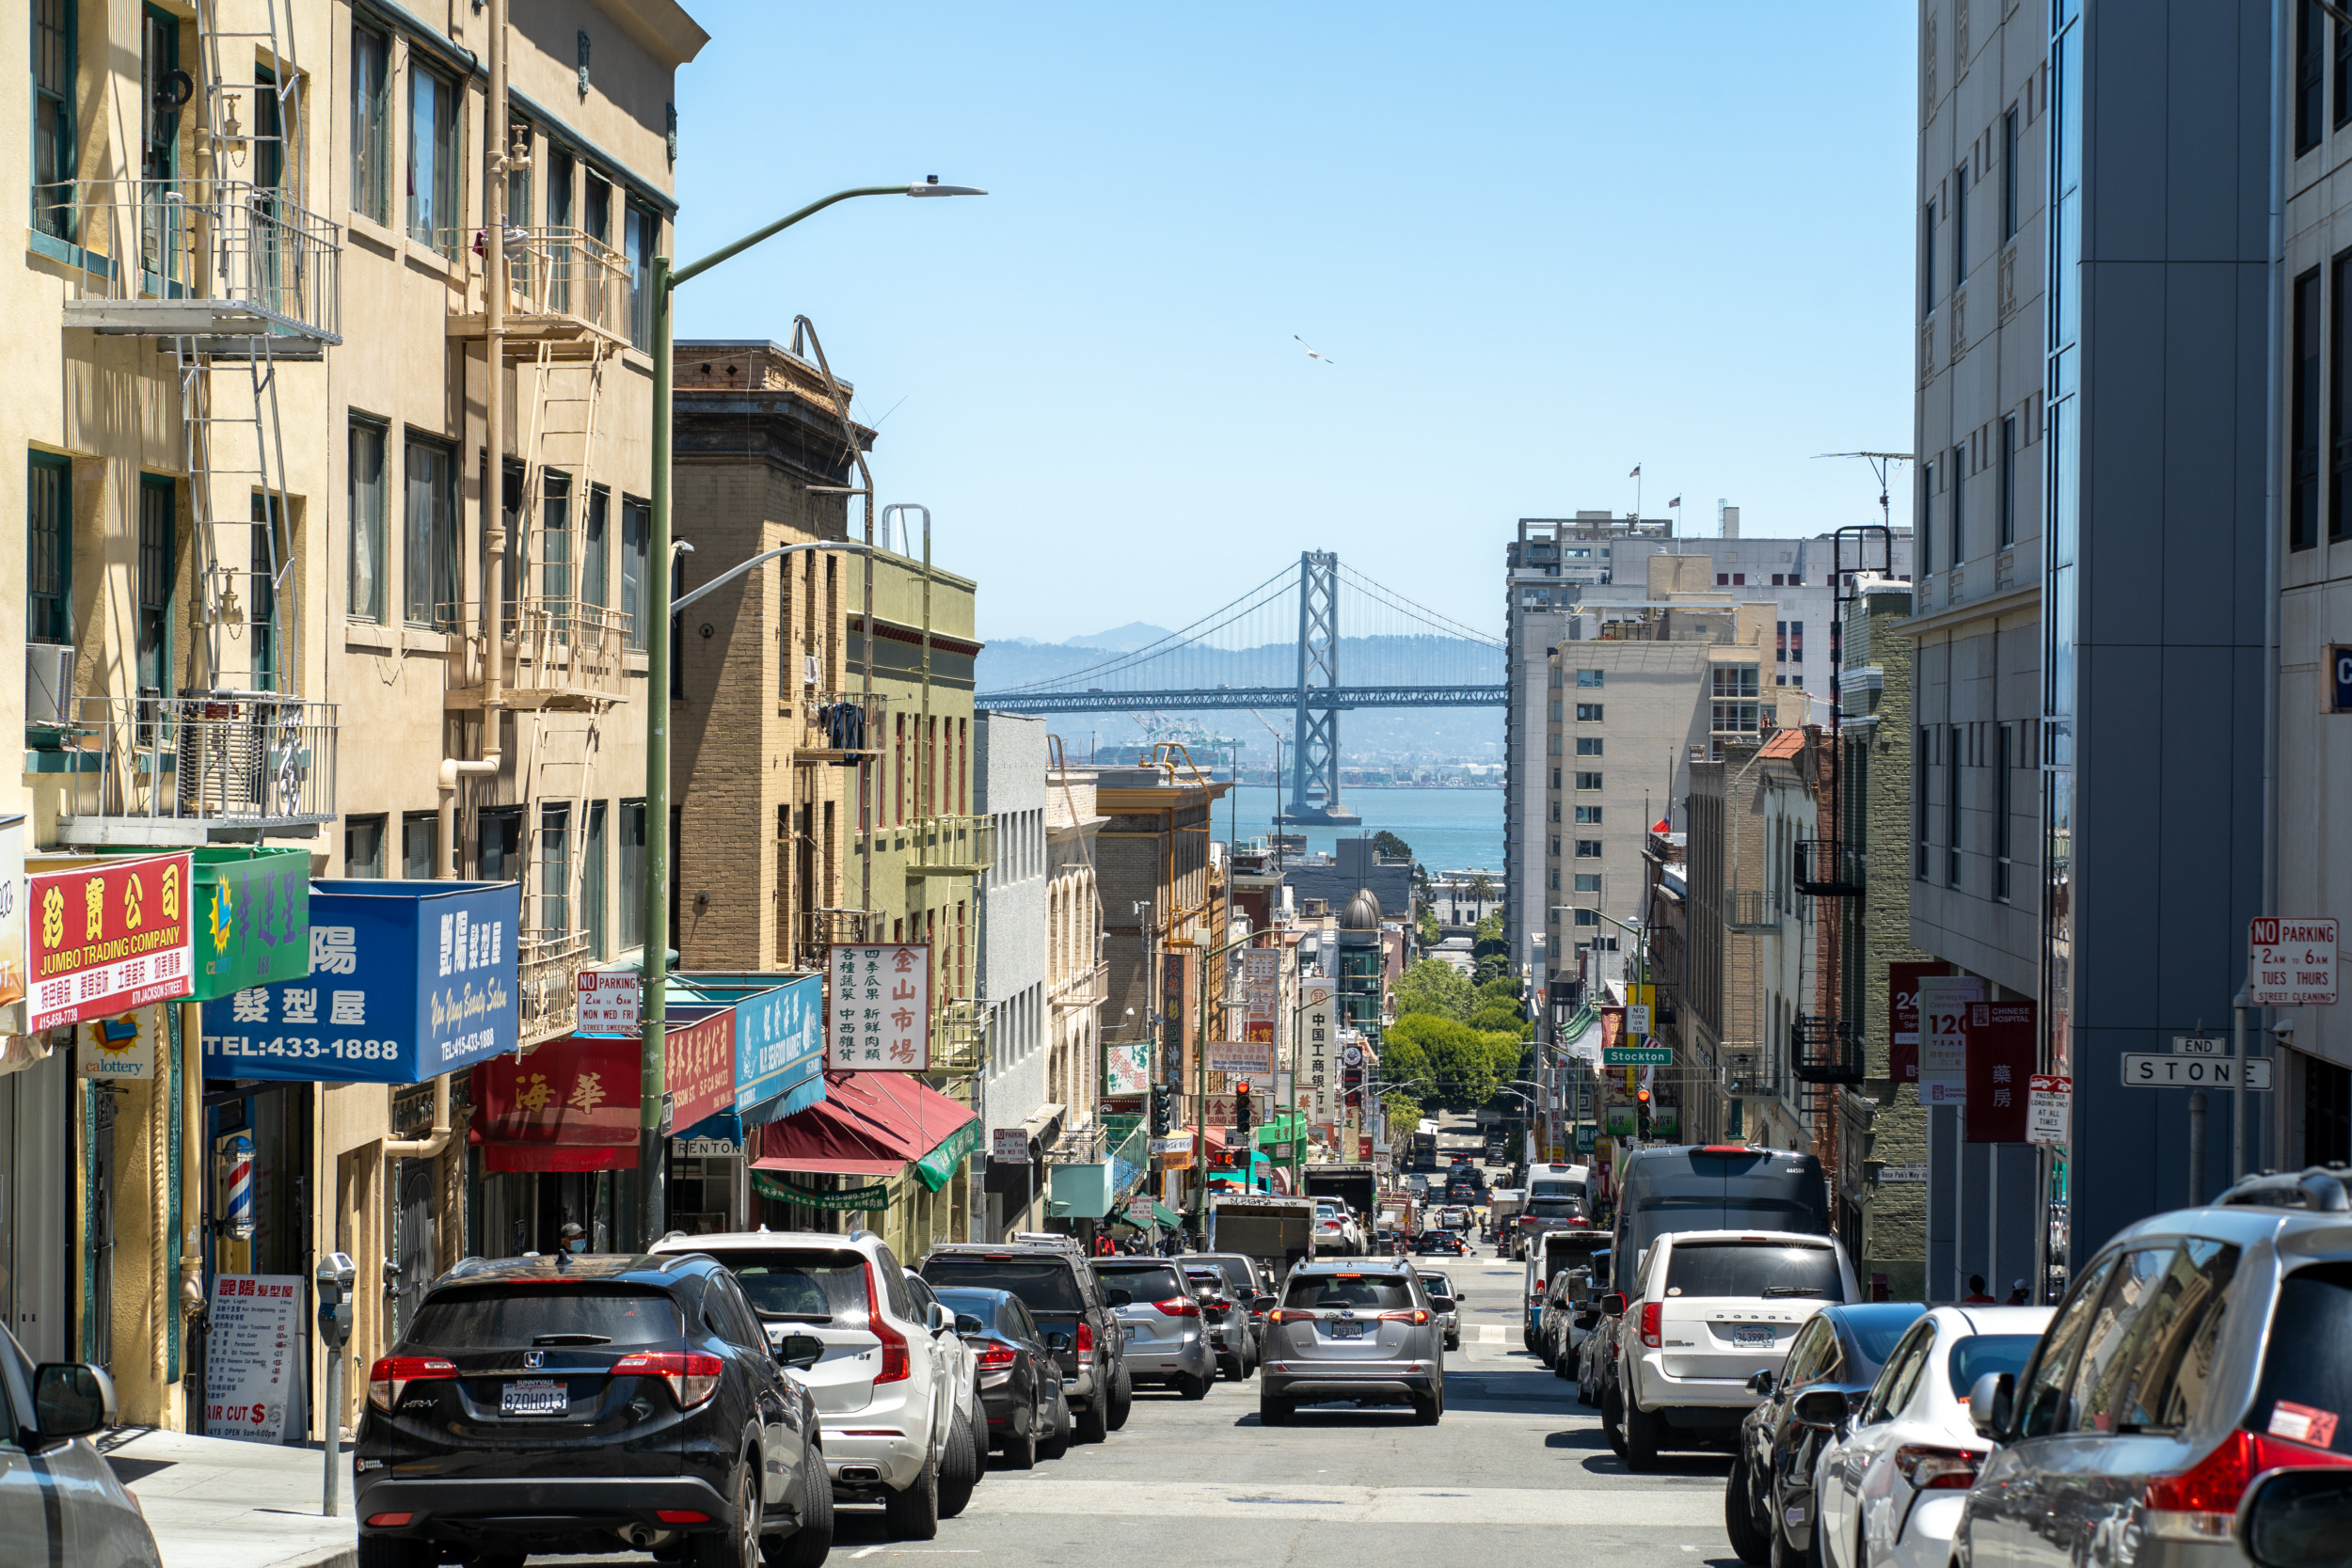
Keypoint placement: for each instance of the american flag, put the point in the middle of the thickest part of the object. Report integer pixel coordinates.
(1636, 473)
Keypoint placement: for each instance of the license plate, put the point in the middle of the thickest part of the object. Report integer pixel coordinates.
(537, 1398)
(1347, 1331)
(1752, 1338)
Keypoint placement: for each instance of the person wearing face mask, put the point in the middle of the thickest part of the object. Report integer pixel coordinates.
(572, 1237)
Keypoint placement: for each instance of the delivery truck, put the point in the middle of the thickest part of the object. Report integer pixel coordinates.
(1276, 1231)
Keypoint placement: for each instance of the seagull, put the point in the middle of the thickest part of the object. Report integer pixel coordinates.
(1312, 352)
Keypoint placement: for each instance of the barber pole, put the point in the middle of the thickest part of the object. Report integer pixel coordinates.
(238, 1220)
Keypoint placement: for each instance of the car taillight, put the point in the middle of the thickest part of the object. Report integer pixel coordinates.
(1418, 1315)
(1290, 1315)
(392, 1373)
(1651, 1312)
(895, 1366)
(1933, 1469)
(693, 1376)
(2200, 1503)
(996, 1358)
(1178, 1307)
(1083, 1344)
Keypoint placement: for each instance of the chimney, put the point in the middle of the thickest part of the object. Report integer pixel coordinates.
(1726, 521)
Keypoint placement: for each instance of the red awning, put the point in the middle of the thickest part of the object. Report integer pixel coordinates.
(571, 1104)
(869, 1124)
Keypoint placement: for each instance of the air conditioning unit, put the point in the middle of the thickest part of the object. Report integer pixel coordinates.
(48, 684)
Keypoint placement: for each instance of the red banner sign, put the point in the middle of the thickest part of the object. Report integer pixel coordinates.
(2001, 1040)
(571, 1105)
(1903, 1019)
(109, 936)
(700, 1065)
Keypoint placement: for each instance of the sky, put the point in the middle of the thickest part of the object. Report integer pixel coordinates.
(1539, 244)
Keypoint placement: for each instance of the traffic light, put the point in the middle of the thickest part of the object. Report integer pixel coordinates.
(1241, 1108)
(1161, 1124)
(1641, 1113)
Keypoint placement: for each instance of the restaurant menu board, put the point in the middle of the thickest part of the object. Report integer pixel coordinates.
(253, 1358)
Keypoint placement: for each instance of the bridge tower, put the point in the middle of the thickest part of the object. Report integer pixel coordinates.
(1315, 749)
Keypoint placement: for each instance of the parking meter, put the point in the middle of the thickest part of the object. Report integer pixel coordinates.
(334, 1276)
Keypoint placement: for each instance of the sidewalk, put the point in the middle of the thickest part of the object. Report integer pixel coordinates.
(214, 1503)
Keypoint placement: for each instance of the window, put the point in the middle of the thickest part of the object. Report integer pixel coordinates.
(2309, 108)
(268, 568)
(1927, 258)
(1588, 713)
(555, 546)
(419, 845)
(49, 550)
(1588, 781)
(1895, 1386)
(1926, 514)
(2009, 481)
(159, 518)
(641, 232)
(2009, 176)
(429, 548)
(1919, 802)
(596, 207)
(2308, 1362)
(434, 148)
(2344, 73)
(1796, 642)
(2158, 1381)
(1587, 882)
(2002, 779)
(499, 844)
(2339, 395)
(1588, 816)
(1739, 579)
(1780, 647)
(1960, 228)
(1951, 807)
(1590, 677)
(363, 845)
(596, 551)
(1587, 918)
(555, 868)
(370, 124)
(561, 250)
(1723, 579)
(54, 157)
(1734, 690)
(636, 531)
(632, 910)
(1588, 848)
(518, 206)
(368, 523)
(1960, 510)
(1588, 745)
(2100, 1381)
(2303, 431)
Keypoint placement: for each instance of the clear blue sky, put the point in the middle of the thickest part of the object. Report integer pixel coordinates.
(1542, 242)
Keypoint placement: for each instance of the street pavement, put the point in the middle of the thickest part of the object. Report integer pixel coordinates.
(213, 1502)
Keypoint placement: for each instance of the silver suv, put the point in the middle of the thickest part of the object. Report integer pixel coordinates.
(2197, 1351)
(1349, 1330)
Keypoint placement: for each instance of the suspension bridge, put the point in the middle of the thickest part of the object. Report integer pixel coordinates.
(1278, 645)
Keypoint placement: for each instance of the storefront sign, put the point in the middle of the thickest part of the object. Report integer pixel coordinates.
(570, 1105)
(1180, 1143)
(699, 1062)
(608, 1004)
(2049, 1109)
(108, 936)
(1316, 1014)
(1943, 1000)
(1127, 1069)
(881, 1009)
(780, 1045)
(1260, 995)
(12, 985)
(254, 919)
(121, 1050)
(1902, 1018)
(706, 1149)
(1172, 1015)
(408, 980)
(2002, 1039)
(253, 1356)
(1242, 1057)
(860, 1199)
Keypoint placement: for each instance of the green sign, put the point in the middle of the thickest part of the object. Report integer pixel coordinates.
(1637, 1055)
(252, 922)
(1620, 1119)
(1584, 1139)
(937, 1168)
(868, 1199)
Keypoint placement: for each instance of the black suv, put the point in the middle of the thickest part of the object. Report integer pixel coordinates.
(592, 1404)
(1056, 1284)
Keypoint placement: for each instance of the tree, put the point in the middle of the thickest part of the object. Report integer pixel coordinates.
(1464, 1066)
(1505, 1018)
(1387, 843)
(1431, 933)
(1481, 889)
(1494, 966)
(1436, 987)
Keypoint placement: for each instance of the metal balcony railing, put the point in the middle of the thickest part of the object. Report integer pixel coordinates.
(1829, 868)
(190, 770)
(1750, 909)
(562, 653)
(1083, 988)
(561, 282)
(198, 258)
(547, 977)
(816, 931)
(1825, 1051)
(959, 1035)
(951, 847)
(839, 727)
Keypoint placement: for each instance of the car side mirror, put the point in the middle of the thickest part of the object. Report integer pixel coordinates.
(1262, 1303)
(800, 1351)
(2295, 1518)
(1057, 1340)
(1989, 1403)
(1118, 1298)
(1612, 1305)
(967, 1323)
(71, 1400)
(1760, 1383)
(1821, 1408)
(938, 1317)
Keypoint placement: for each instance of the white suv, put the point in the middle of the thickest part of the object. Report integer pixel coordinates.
(1337, 1234)
(895, 1395)
(1710, 1309)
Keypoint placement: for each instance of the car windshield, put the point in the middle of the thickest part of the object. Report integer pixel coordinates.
(1380, 1293)
(1753, 1269)
(1144, 1283)
(1236, 1273)
(804, 1287)
(1045, 1286)
(523, 1316)
(1979, 1354)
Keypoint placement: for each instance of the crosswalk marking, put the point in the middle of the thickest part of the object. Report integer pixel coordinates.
(1679, 1507)
(1489, 1334)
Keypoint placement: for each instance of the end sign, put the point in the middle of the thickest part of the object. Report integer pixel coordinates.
(2289, 962)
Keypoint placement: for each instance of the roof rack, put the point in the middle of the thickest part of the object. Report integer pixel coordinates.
(2319, 1188)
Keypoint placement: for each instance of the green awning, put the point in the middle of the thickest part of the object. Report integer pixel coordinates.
(1283, 1130)
(937, 1168)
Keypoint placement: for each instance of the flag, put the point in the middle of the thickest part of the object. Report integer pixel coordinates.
(1677, 501)
(1636, 473)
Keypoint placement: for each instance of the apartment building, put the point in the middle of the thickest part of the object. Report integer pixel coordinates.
(264, 358)
(1008, 777)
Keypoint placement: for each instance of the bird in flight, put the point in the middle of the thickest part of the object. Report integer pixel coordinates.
(1312, 352)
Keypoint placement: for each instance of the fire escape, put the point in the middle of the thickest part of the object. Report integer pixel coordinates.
(232, 278)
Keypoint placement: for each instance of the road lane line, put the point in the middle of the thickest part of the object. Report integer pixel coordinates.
(1665, 1507)
(1489, 1334)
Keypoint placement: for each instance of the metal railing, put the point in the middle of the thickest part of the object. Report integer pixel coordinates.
(227, 760)
(558, 272)
(1750, 909)
(556, 646)
(546, 976)
(162, 247)
(959, 1035)
(1830, 869)
(841, 727)
(1825, 1051)
(951, 847)
(817, 930)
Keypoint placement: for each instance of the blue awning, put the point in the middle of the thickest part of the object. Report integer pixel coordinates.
(779, 1036)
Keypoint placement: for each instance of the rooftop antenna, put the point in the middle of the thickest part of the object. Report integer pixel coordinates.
(1880, 463)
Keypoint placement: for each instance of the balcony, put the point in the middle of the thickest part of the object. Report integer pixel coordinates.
(960, 1037)
(563, 654)
(216, 767)
(201, 258)
(1750, 910)
(951, 847)
(839, 728)
(566, 289)
(1830, 869)
(546, 982)
(1825, 1051)
(816, 931)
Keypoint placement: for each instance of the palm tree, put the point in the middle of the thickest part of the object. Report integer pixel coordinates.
(1482, 887)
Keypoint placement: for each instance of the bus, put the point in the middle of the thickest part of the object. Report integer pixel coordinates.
(1423, 1151)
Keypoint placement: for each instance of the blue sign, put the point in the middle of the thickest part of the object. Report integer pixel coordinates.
(779, 1038)
(2340, 676)
(408, 980)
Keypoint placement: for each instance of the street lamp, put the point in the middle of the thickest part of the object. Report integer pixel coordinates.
(653, 1075)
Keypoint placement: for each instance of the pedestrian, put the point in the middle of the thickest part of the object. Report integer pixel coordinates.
(2017, 1296)
(1976, 1296)
(572, 1237)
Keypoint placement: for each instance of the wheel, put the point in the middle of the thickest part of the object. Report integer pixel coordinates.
(1426, 1410)
(1785, 1555)
(1056, 1440)
(1739, 1516)
(959, 1468)
(395, 1551)
(1020, 1449)
(1122, 1400)
(1454, 1341)
(1641, 1437)
(1230, 1369)
(1273, 1412)
(1092, 1427)
(1613, 1421)
(914, 1513)
(1194, 1387)
(738, 1547)
(809, 1545)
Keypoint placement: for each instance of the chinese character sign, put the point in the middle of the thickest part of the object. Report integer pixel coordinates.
(252, 920)
(253, 1356)
(779, 1039)
(576, 1095)
(408, 980)
(1902, 1018)
(1126, 1067)
(1261, 987)
(882, 1007)
(1944, 1002)
(12, 987)
(699, 1061)
(108, 936)
(1318, 1024)
(2001, 1041)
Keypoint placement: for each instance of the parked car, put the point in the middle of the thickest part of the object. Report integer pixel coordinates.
(594, 1404)
(1567, 1313)
(1446, 1304)
(1548, 1255)
(82, 1514)
(1018, 1376)
(1364, 1332)
(1597, 1359)
(1062, 1293)
(960, 1366)
(1769, 1501)
(1226, 1317)
(1710, 1309)
(897, 1423)
(1713, 1187)
(1167, 1332)
(1892, 1489)
(1248, 1279)
(2198, 1350)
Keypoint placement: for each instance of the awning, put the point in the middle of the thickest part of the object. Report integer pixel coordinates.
(571, 1104)
(1161, 1214)
(873, 1124)
(1282, 1130)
